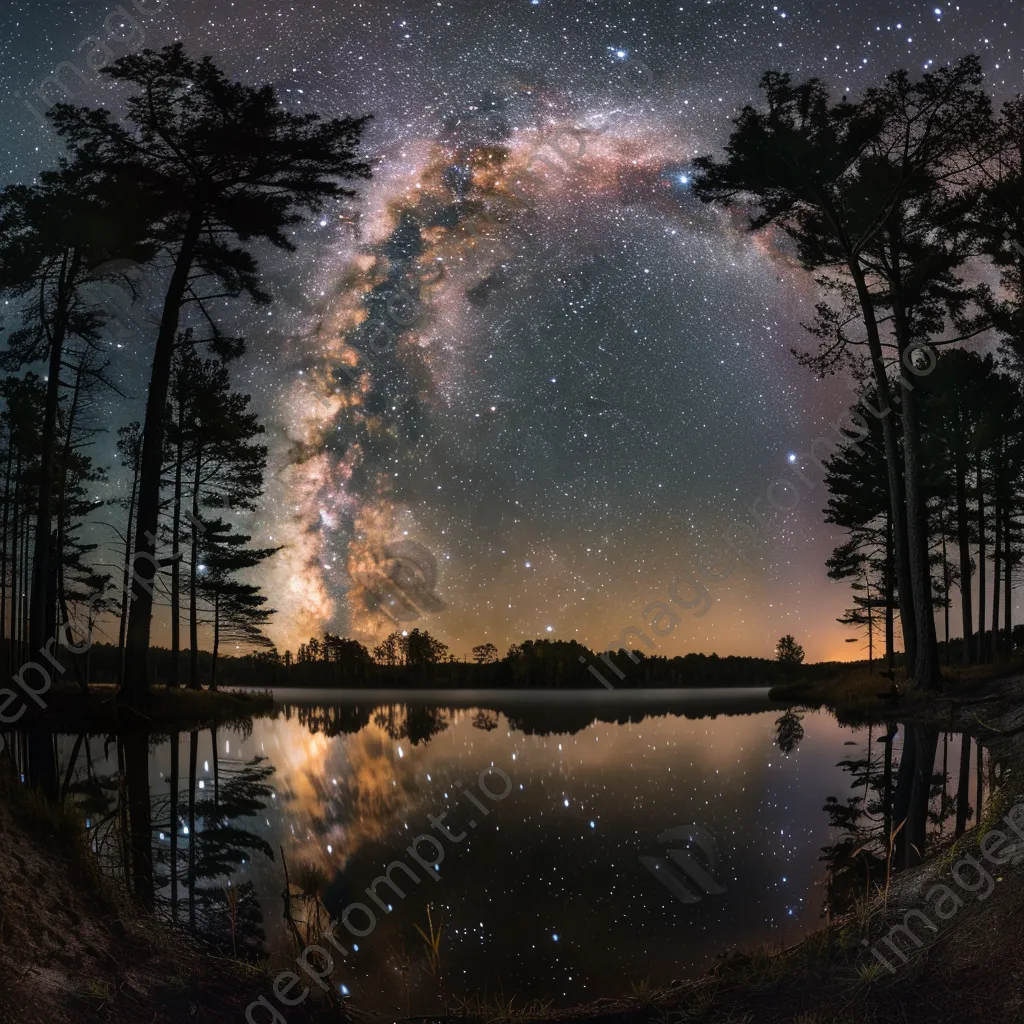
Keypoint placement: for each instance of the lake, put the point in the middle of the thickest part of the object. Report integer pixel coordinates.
(554, 798)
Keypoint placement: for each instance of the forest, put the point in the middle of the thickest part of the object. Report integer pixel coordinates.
(907, 206)
(169, 201)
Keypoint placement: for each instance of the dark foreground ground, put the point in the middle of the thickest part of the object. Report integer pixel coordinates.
(74, 949)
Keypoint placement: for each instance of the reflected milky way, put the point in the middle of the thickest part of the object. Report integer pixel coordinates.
(558, 856)
(545, 894)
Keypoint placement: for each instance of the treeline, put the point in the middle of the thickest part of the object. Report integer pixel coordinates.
(418, 660)
(971, 411)
(175, 199)
(903, 204)
(419, 723)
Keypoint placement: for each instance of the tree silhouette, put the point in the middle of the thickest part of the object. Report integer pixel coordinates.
(224, 163)
(56, 238)
(238, 609)
(878, 196)
(788, 651)
(789, 731)
(485, 654)
(858, 502)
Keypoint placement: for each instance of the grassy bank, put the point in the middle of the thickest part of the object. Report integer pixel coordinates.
(857, 694)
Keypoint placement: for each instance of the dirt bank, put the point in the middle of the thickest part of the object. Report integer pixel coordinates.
(73, 948)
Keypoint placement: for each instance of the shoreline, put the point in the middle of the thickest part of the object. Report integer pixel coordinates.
(172, 710)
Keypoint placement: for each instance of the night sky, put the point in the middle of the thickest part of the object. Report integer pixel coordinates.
(584, 387)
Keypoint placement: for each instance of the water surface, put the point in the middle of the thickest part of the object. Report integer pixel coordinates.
(544, 893)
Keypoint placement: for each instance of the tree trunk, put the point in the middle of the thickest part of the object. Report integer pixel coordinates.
(174, 827)
(122, 816)
(901, 797)
(980, 786)
(26, 577)
(997, 565)
(37, 637)
(72, 761)
(193, 740)
(193, 584)
(13, 654)
(135, 688)
(216, 766)
(216, 641)
(57, 599)
(945, 780)
(982, 646)
(871, 627)
(963, 785)
(887, 798)
(1008, 581)
(945, 587)
(963, 541)
(893, 462)
(175, 553)
(890, 602)
(4, 540)
(136, 765)
(927, 675)
(926, 742)
(42, 763)
(125, 575)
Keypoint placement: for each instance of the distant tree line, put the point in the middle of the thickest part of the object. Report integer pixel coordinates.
(417, 659)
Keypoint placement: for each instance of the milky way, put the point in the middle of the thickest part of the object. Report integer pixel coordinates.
(525, 362)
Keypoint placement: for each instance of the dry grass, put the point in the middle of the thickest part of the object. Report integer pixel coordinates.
(857, 693)
(496, 1009)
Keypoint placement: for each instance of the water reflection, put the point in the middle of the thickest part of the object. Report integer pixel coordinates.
(160, 841)
(547, 896)
(867, 823)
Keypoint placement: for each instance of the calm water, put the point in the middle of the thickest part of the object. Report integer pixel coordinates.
(544, 895)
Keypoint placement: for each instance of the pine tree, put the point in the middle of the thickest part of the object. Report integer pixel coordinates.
(56, 238)
(224, 163)
(878, 196)
(238, 610)
(225, 470)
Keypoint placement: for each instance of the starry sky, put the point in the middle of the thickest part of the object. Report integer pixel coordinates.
(525, 366)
